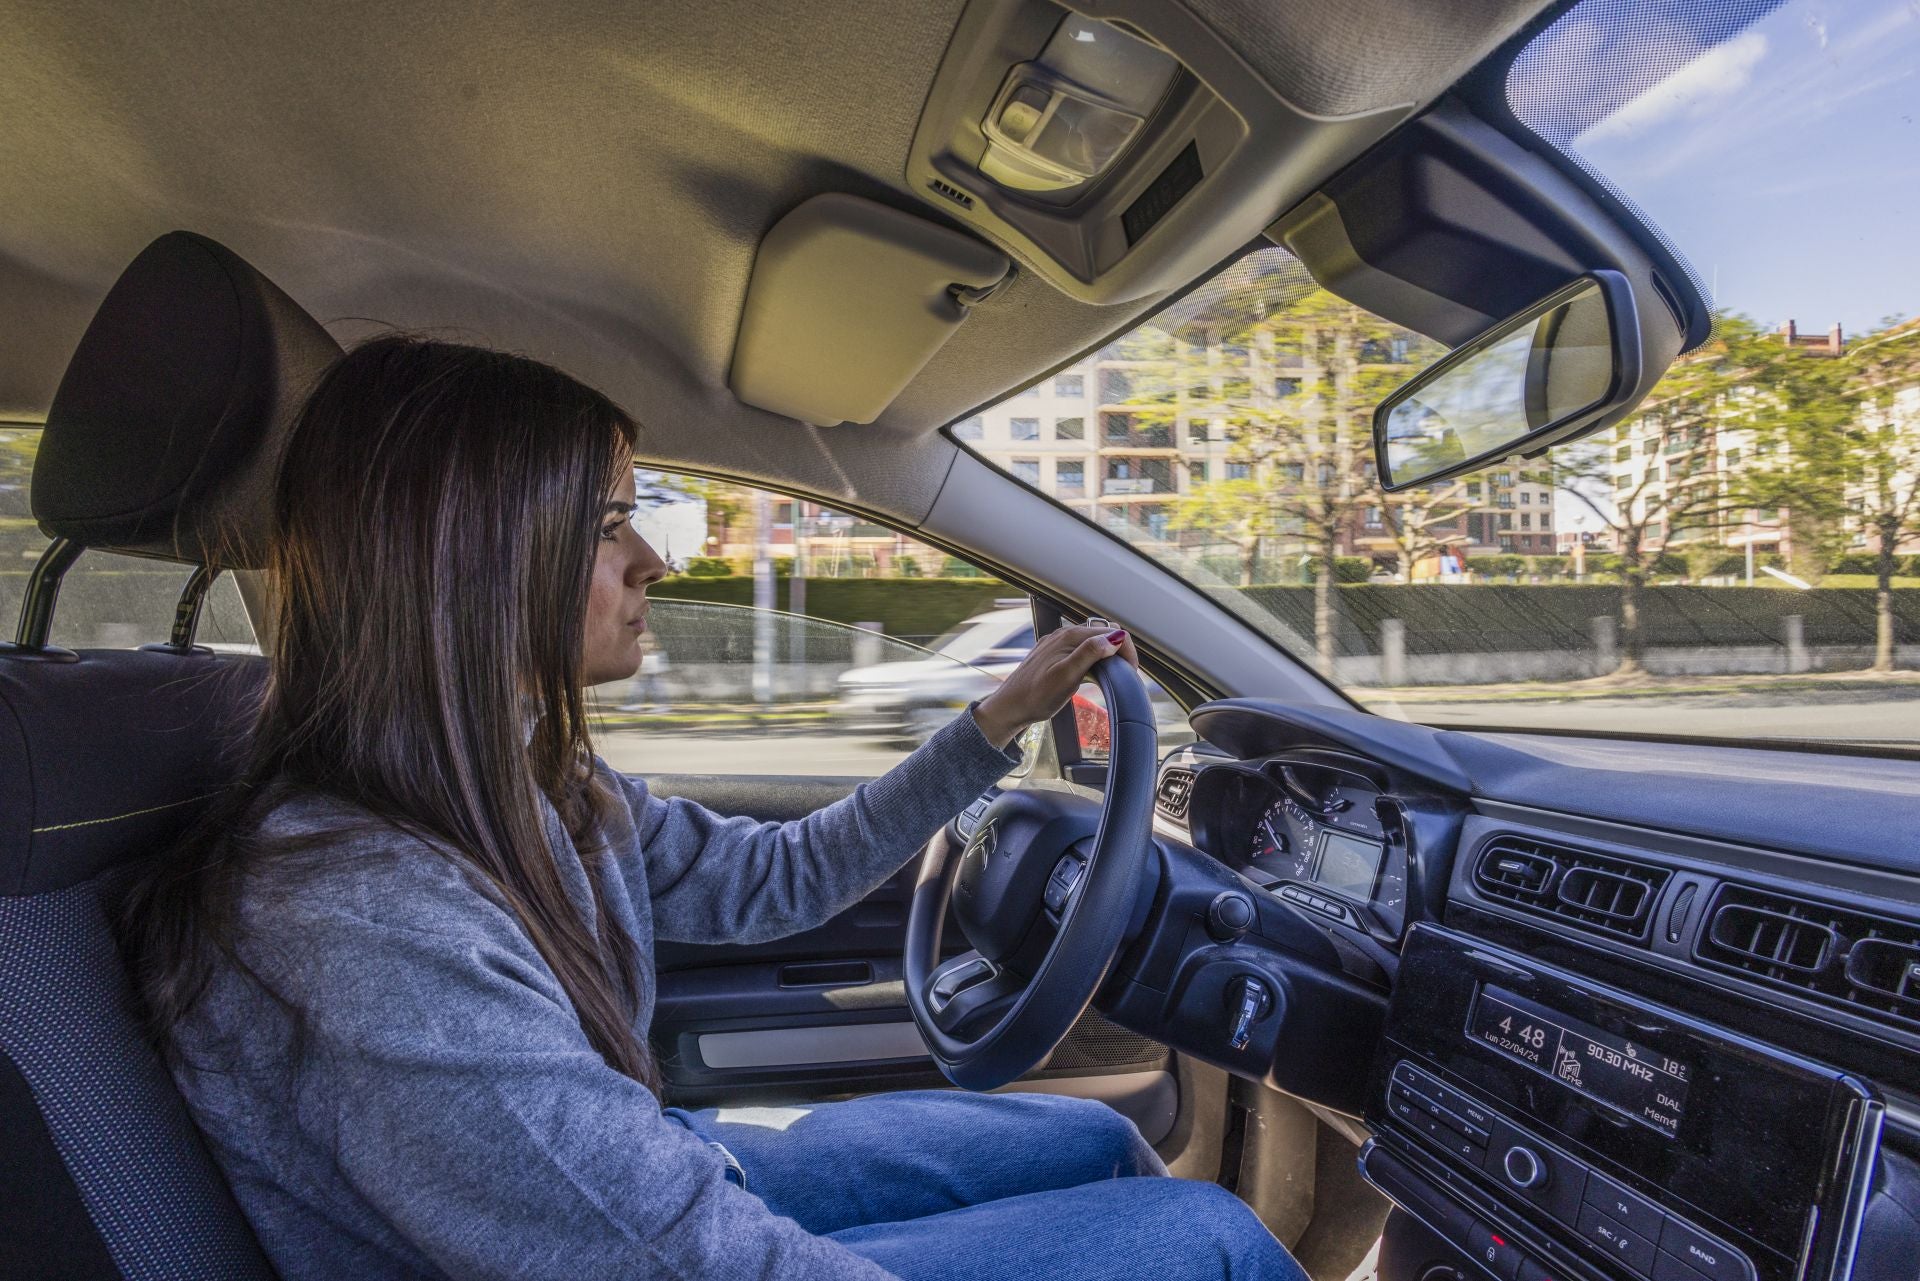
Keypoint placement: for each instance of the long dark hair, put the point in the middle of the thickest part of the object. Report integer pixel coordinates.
(435, 525)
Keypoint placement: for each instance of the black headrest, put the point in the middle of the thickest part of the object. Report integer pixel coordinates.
(171, 418)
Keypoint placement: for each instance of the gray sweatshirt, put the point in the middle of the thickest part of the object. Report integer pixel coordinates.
(446, 1116)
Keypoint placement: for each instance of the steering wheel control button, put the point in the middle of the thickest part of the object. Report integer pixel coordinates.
(1524, 1168)
(1060, 882)
(1229, 916)
(1492, 1250)
(1626, 1207)
(1627, 1247)
(1702, 1255)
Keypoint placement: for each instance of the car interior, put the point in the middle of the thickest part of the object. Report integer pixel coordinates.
(1437, 1003)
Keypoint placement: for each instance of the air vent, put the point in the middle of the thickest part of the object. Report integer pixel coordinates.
(1176, 790)
(1888, 969)
(1594, 891)
(951, 192)
(1776, 940)
(1834, 954)
(1612, 896)
(1526, 873)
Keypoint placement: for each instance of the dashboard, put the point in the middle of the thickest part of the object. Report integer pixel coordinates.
(1666, 1032)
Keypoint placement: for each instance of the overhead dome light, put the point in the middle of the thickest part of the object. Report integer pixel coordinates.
(1059, 121)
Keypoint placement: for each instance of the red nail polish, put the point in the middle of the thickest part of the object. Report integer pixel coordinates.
(1117, 635)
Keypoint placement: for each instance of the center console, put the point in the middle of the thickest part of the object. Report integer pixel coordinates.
(1545, 1126)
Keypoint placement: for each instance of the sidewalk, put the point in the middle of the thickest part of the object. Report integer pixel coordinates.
(1802, 688)
(770, 718)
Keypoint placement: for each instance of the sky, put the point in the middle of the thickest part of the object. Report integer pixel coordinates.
(1781, 155)
(1775, 145)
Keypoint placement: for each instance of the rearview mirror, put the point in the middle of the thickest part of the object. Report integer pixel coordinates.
(1543, 376)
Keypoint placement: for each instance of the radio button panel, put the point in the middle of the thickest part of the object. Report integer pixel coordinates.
(1610, 1217)
(1625, 1206)
(1493, 1251)
(1701, 1254)
(1558, 1191)
(1592, 1074)
(1621, 1244)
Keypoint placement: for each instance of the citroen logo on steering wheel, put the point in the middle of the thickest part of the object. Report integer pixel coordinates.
(984, 843)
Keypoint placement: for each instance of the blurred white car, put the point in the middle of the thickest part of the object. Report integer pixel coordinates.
(906, 700)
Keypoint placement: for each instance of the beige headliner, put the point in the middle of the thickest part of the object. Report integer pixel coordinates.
(583, 181)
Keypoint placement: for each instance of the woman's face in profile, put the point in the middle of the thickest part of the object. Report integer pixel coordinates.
(624, 566)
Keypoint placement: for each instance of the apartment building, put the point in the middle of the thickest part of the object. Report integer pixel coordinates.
(1120, 439)
(1670, 450)
(1895, 406)
(1499, 509)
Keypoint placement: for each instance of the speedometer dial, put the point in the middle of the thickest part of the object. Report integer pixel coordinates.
(1283, 841)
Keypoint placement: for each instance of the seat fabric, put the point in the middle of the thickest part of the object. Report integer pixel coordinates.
(103, 762)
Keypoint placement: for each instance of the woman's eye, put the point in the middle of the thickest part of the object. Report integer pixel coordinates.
(611, 532)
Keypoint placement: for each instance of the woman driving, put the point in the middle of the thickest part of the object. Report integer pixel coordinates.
(403, 972)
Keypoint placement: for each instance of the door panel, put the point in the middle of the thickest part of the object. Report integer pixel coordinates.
(823, 1013)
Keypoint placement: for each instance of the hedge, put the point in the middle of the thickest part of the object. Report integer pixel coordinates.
(1346, 569)
(905, 607)
(1869, 563)
(1480, 618)
(1490, 618)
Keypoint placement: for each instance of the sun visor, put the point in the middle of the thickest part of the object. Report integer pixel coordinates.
(849, 300)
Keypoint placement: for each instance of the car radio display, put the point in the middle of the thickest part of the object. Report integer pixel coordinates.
(1641, 1082)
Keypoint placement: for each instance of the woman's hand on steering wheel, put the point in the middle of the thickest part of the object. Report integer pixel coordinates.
(1047, 677)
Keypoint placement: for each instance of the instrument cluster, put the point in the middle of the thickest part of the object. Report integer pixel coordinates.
(1306, 826)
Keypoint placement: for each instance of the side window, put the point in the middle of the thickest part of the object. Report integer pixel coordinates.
(106, 601)
(793, 639)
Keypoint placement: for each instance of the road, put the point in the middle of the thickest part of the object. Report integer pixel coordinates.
(825, 753)
(1855, 717)
(1884, 720)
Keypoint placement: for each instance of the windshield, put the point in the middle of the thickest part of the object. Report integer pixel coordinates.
(1739, 559)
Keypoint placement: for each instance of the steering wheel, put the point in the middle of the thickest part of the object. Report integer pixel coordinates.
(1044, 891)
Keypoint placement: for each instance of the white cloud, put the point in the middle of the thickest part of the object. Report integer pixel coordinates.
(1716, 75)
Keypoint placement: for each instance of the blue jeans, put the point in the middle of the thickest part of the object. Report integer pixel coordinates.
(938, 1186)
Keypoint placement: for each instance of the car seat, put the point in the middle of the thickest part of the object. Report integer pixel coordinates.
(162, 441)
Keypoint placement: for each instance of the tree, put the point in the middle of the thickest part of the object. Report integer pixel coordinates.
(729, 505)
(1803, 408)
(1841, 440)
(1634, 515)
(1299, 408)
(1883, 442)
(1239, 511)
(1678, 489)
(1416, 518)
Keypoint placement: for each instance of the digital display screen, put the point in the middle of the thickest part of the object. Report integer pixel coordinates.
(1349, 864)
(1641, 1082)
